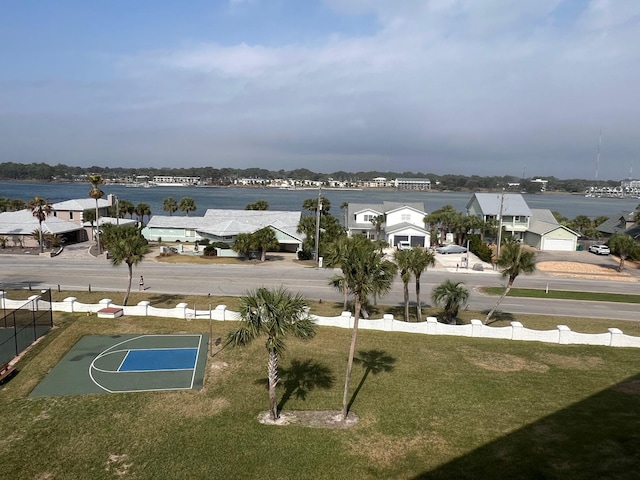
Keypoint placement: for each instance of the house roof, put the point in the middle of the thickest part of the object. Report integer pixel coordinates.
(80, 204)
(512, 205)
(23, 222)
(543, 222)
(222, 223)
(385, 207)
(392, 206)
(399, 227)
(616, 223)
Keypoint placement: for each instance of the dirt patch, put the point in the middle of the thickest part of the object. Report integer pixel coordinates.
(179, 405)
(117, 464)
(584, 270)
(501, 362)
(572, 362)
(384, 450)
(311, 418)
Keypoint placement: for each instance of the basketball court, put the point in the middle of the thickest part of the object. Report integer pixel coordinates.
(128, 363)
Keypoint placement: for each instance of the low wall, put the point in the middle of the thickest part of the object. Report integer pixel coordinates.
(516, 331)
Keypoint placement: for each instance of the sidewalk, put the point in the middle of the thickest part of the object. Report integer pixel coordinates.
(455, 263)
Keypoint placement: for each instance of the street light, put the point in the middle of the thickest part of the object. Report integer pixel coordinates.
(318, 210)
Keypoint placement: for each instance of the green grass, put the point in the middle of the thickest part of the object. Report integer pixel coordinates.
(446, 407)
(564, 295)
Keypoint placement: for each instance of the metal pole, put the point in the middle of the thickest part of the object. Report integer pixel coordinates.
(318, 209)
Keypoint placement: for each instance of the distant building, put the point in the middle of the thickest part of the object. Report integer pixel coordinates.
(412, 184)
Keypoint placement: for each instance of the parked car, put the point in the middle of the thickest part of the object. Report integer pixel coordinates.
(599, 249)
(451, 249)
(404, 245)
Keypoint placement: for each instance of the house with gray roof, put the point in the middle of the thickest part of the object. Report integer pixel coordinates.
(511, 207)
(545, 233)
(400, 222)
(19, 226)
(218, 225)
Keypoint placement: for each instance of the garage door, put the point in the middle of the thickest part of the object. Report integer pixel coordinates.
(559, 244)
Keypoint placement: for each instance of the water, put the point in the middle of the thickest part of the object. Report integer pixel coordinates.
(237, 198)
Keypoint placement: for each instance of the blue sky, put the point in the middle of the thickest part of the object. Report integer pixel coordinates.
(490, 87)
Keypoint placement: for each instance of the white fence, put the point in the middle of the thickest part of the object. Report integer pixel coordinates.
(563, 335)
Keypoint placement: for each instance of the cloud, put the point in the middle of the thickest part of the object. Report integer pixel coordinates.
(449, 86)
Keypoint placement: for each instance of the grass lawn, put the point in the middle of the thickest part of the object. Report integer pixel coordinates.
(564, 295)
(429, 407)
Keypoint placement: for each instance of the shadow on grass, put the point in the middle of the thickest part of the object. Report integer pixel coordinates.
(165, 299)
(592, 439)
(499, 316)
(374, 362)
(301, 378)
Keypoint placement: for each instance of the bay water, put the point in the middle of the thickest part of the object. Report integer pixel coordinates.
(279, 199)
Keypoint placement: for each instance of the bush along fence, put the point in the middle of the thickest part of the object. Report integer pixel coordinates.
(562, 335)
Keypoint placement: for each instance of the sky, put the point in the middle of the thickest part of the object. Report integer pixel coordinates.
(529, 88)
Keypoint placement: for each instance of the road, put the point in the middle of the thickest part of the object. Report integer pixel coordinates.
(82, 272)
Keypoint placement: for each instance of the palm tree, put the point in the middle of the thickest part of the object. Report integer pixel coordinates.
(264, 240)
(143, 209)
(451, 295)
(41, 209)
(96, 180)
(339, 283)
(243, 244)
(377, 222)
(125, 244)
(89, 215)
(421, 259)
(365, 271)
(126, 208)
(345, 207)
(403, 260)
(258, 205)
(187, 204)
(275, 314)
(622, 246)
(513, 260)
(170, 205)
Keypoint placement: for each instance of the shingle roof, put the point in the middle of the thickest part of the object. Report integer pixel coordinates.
(542, 222)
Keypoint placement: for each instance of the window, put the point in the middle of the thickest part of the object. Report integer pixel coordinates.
(368, 217)
(70, 215)
(405, 217)
(189, 233)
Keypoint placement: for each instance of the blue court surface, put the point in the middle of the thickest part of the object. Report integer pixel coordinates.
(153, 360)
(128, 363)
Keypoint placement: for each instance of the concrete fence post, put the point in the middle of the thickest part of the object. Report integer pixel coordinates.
(183, 306)
(476, 328)
(222, 309)
(145, 306)
(563, 334)
(432, 325)
(388, 322)
(347, 319)
(104, 303)
(616, 337)
(516, 331)
(71, 301)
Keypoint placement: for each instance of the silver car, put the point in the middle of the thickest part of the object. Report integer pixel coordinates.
(451, 249)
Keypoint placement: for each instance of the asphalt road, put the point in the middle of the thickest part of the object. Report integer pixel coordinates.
(80, 272)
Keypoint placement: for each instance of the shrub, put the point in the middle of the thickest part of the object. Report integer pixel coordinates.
(479, 248)
(210, 251)
(204, 241)
(221, 245)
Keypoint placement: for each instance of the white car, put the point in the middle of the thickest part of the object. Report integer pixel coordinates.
(599, 249)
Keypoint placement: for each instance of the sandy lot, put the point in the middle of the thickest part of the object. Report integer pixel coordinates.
(586, 270)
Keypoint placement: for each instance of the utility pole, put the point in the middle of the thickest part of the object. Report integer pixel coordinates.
(318, 210)
(500, 224)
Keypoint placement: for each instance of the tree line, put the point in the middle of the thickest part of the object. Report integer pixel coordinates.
(226, 176)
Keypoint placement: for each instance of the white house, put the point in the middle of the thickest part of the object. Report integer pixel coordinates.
(18, 227)
(400, 222)
(218, 225)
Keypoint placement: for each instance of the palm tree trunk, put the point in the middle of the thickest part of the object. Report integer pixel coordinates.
(272, 373)
(419, 306)
(352, 352)
(98, 234)
(345, 291)
(40, 241)
(126, 297)
(406, 302)
(502, 297)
